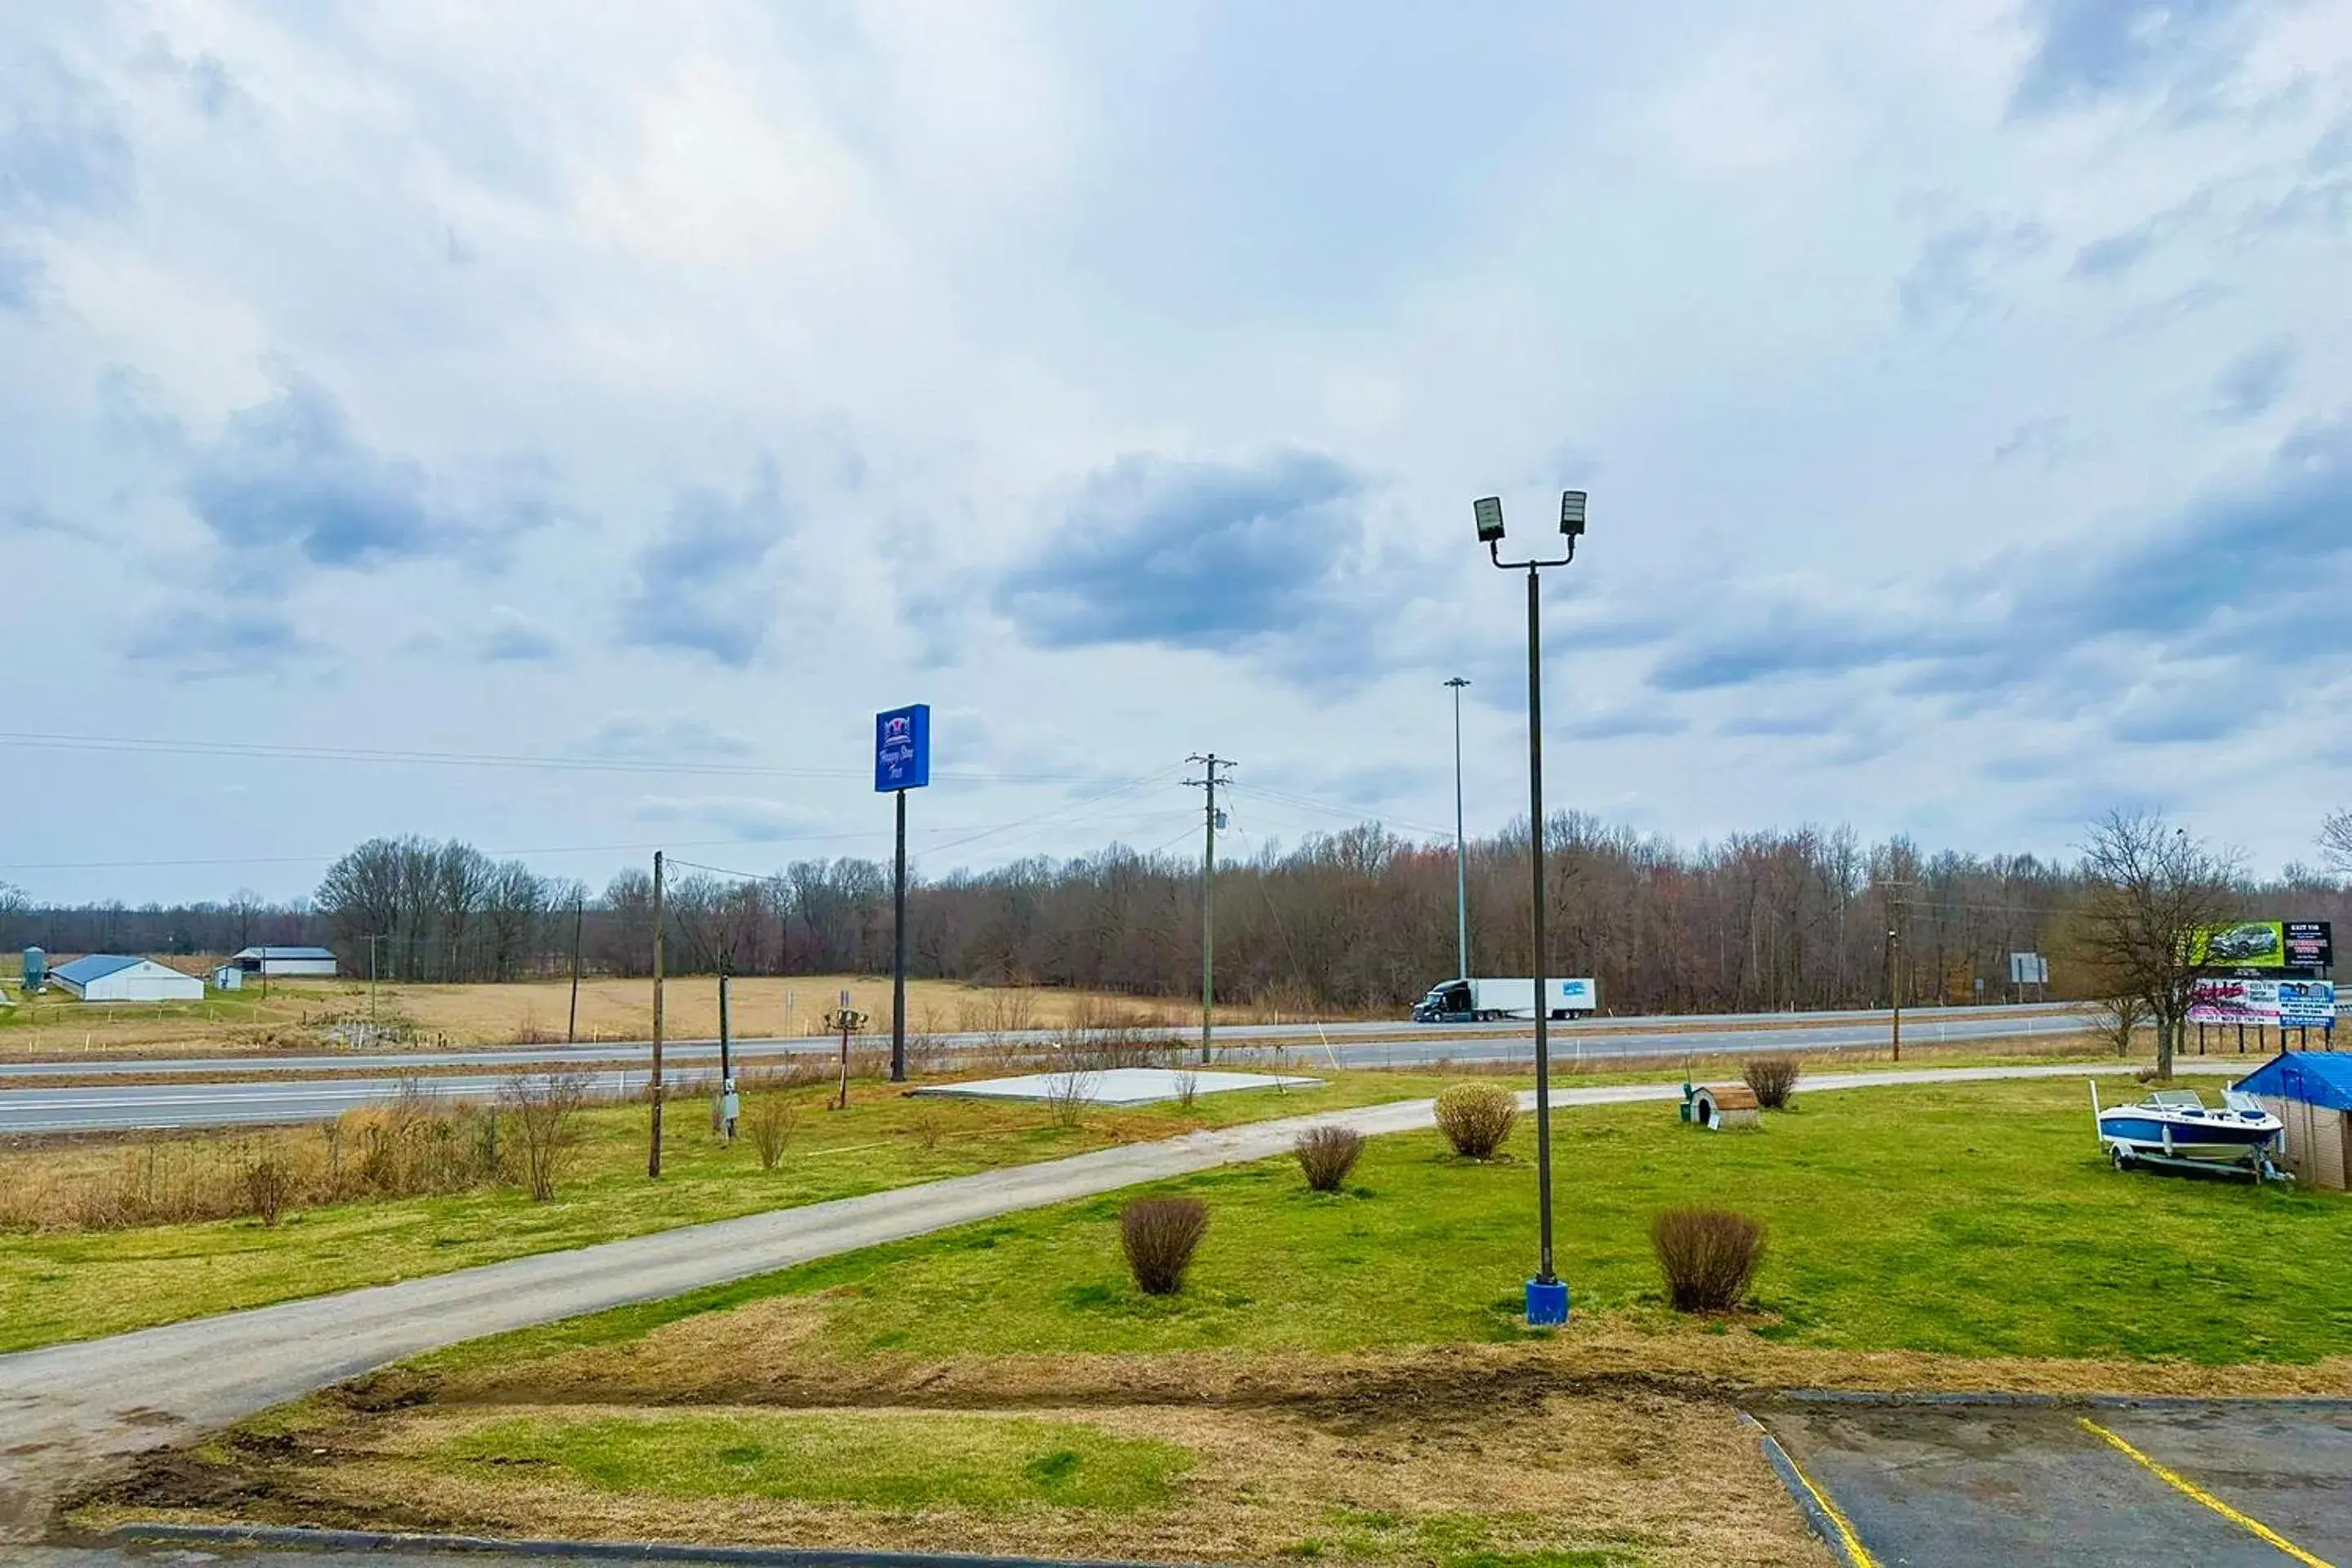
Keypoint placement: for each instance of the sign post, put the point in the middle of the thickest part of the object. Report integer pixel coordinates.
(902, 761)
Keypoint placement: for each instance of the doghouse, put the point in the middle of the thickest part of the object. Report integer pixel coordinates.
(2311, 1094)
(1718, 1105)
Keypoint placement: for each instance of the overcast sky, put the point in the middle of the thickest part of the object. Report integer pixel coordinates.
(1961, 388)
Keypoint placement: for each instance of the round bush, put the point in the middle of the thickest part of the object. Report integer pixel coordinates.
(1326, 1153)
(1477, 1117)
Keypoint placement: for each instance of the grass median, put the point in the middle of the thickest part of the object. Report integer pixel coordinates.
(71, 1284)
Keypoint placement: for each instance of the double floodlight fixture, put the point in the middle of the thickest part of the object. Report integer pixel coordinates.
(1488, 511)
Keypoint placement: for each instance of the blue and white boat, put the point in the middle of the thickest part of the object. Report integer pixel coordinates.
(2175, 1126)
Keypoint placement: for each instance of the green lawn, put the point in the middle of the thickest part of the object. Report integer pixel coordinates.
(989, 1464)
(79, 1285)
(1972, 1220)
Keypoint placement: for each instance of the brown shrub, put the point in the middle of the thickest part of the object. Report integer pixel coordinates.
(927, 1127)
(268, 1185)
(1707, 1257)
(1477, 1117)
(1326, 1153)
(1188, 1088)
(1159, 1236)
(546, 1109)
(772, 1127)
(1773, 1078)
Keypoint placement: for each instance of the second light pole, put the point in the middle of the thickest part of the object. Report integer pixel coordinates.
(1546, 1292)
(1461, 846)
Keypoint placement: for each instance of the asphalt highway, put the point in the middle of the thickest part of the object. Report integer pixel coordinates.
(631, 1052)
(85, 1107)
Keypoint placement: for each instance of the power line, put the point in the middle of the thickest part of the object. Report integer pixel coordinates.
(479, 758)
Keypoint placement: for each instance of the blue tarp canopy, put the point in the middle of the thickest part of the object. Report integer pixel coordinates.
(2315, 1078)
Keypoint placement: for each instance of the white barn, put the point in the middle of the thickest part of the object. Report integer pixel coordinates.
(286, 961)
(111, 977)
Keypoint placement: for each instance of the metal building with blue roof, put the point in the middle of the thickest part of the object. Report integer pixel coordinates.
(2311, 1094)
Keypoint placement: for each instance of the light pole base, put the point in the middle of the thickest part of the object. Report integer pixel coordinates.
(1547, 1303)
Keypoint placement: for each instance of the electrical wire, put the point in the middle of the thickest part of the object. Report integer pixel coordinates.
(479, 759)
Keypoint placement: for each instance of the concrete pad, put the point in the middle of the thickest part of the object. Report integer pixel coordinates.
(1113, 1086)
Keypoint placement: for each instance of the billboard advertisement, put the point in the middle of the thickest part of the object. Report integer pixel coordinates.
(2234, 1002)
(2241, 944)
(2310, 945)
(2288, 1003)
(2306, 1002)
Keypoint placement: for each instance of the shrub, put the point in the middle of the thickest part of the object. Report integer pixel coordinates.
(268, 1185)
(546, 1109)
(1069, 1090)
(772, 1127)
(1477, 1117)
(1707, 1257)
(1773, 1078)
(1159, 1236)
(1188, 1088)
(1326, 1153)
(928, 1126)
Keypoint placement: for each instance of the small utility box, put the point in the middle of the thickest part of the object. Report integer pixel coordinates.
(1719, 1106)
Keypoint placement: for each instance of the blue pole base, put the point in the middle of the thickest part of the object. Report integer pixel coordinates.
(1547, 1304)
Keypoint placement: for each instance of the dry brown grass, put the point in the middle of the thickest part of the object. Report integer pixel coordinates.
(1338, 1473)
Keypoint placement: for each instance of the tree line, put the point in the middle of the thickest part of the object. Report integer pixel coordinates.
(1358, 919)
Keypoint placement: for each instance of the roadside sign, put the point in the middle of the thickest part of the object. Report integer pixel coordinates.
(902, 748)
(2310, 945)
(2028, 969)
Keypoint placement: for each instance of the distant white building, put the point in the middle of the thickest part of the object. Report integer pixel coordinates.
(111, 977)
(278, 962)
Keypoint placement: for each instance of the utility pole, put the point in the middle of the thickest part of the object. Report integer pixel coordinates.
(1461, 846)
(1895, 967)
(1210, 764)
(653, 1154)
(371, 941)
(571, 1020)
(726, 1106)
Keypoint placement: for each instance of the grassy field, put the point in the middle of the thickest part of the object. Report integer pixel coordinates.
(1344, 1377)
(81, 1285)
(1974, 1220)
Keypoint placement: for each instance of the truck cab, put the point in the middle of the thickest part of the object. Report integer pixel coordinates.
(1448, 1002)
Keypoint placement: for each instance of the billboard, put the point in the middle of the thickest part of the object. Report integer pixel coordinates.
(2234, 1002)
(2306, 1002)
(2263, 944)
(2310, 945)
(2241, 944)
(2286, 1004)
(2028, 969)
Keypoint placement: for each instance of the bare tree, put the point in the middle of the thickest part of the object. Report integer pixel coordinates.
(2149, 887)
(546, 1109)
(2336, 841)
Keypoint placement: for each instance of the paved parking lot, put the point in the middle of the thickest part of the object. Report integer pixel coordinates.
(2213, 1483)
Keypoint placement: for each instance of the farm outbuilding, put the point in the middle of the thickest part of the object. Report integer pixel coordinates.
(2311, 1094)
(111, 977)
(282, 962)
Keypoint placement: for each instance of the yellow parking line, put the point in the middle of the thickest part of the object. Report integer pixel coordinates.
(2188, 1488)
(1856, 1553)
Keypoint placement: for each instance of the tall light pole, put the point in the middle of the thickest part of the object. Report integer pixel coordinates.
(1546, 1292)
(1461, 846)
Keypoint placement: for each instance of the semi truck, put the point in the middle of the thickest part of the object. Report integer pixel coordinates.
(1482, 1001)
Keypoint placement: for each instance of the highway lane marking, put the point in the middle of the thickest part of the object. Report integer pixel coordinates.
(2196, 1493)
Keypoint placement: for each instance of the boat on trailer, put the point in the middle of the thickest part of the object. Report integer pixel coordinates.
(2175, 1127)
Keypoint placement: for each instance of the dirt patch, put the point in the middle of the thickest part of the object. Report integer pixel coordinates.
(1341, 1476)
(764, 1352)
